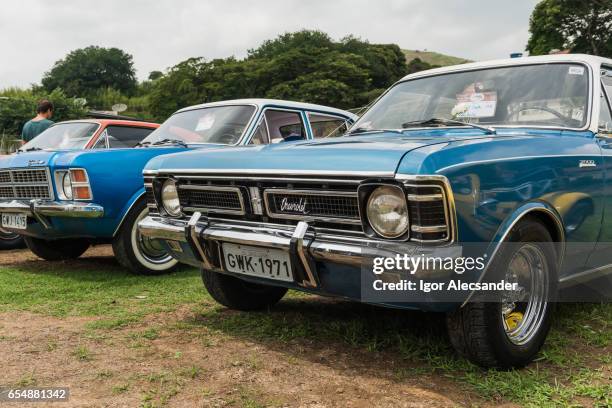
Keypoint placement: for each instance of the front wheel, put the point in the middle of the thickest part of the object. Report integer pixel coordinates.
(509, 334)
(57, 250)
(138, 253)
(10, 240)
(240, 295)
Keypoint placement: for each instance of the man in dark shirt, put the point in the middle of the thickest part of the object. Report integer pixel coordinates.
(41, 122)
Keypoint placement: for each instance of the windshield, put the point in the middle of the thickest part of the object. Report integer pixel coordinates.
(222, 124)
(63, 136)
(554, 95)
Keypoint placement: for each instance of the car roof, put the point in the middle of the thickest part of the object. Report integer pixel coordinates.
(273, 102)
(119, 122)
(591, 60)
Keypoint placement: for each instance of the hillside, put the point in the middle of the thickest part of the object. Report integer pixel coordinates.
(433, 58)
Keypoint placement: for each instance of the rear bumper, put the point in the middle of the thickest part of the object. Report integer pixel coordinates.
(40, 210)
(327, 265)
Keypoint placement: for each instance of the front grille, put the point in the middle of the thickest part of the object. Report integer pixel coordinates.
(25, 184)
(29, 176)
(335, 206)
(222, 199)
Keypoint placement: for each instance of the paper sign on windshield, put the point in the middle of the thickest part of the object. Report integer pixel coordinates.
(474, 104)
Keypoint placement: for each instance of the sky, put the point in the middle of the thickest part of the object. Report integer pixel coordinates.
(161, 33)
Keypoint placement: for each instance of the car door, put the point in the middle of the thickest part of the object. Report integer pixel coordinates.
(602, 255)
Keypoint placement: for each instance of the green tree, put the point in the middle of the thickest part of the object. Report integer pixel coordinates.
(303, 66)
(17, 106)
(581, 26)
(85, 71)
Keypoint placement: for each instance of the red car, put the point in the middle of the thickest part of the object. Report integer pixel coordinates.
(78, 135)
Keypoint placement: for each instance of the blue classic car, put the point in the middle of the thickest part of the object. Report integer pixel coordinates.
(500, 169)
(64, 201)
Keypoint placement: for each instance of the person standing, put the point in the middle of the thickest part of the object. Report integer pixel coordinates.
(40, 123)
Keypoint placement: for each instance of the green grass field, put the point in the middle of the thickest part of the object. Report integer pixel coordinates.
(433, 58)
(574, 369)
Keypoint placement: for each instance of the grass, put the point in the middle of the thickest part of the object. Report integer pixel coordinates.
(433, 58)
(573, 368)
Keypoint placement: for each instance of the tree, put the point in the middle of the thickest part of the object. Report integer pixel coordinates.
(84, 71)
(302, 66)
(580, 26)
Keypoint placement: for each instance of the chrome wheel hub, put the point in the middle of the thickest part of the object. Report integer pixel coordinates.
(523, 310)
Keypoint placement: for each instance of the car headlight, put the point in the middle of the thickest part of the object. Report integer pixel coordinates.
(388, 212)
(170, 198)
(67, 186)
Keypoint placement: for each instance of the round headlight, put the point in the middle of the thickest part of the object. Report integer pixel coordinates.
(170, 199)
(67, 186)
(387, 212)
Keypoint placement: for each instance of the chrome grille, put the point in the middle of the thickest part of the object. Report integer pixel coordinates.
(29, 176)
(337, 206)
(25, 184)
(220, 199)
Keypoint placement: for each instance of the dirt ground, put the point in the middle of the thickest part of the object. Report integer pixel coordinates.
(194, 366)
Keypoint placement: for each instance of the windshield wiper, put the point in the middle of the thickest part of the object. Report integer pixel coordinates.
(30, 149)
(446, 122)
(170, 141)
(142, 144)
(365, 130)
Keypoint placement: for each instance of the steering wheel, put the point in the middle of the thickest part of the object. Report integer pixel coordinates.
(564, 119)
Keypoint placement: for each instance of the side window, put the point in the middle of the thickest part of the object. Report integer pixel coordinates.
(260, 136)
(284, 126)
(101, 142)
(605, 114)
(327, 126)
(126, 136)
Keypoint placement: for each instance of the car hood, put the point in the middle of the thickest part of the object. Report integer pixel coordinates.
(376, 154)
(28, 159)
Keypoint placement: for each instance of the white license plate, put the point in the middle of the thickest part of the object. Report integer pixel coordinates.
(261, 262)
(16, 221)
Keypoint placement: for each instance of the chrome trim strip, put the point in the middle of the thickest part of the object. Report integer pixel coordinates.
(425, 197)
(428, 229)
(269, 191)
(585, 276)
(256, 172)
(236, 190)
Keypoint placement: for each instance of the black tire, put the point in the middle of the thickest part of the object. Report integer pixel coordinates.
(240, 295)
(139, 254)
(477, 330)
(10, 240)
(57, 250)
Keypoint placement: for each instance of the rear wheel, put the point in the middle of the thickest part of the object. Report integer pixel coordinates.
(57, 250)
(10, 240)
(138, 253)
(510, 333)
(240, 295)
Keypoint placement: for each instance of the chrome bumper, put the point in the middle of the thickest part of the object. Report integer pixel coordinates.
(303, 245)
(38, 208)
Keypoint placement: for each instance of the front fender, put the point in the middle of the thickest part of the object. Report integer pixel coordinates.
(546, 212)
(127, 207)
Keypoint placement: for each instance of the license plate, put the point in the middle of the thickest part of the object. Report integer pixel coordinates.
(261, 262)
(15, 221)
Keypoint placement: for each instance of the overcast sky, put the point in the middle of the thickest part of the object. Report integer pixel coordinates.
(160, 33)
